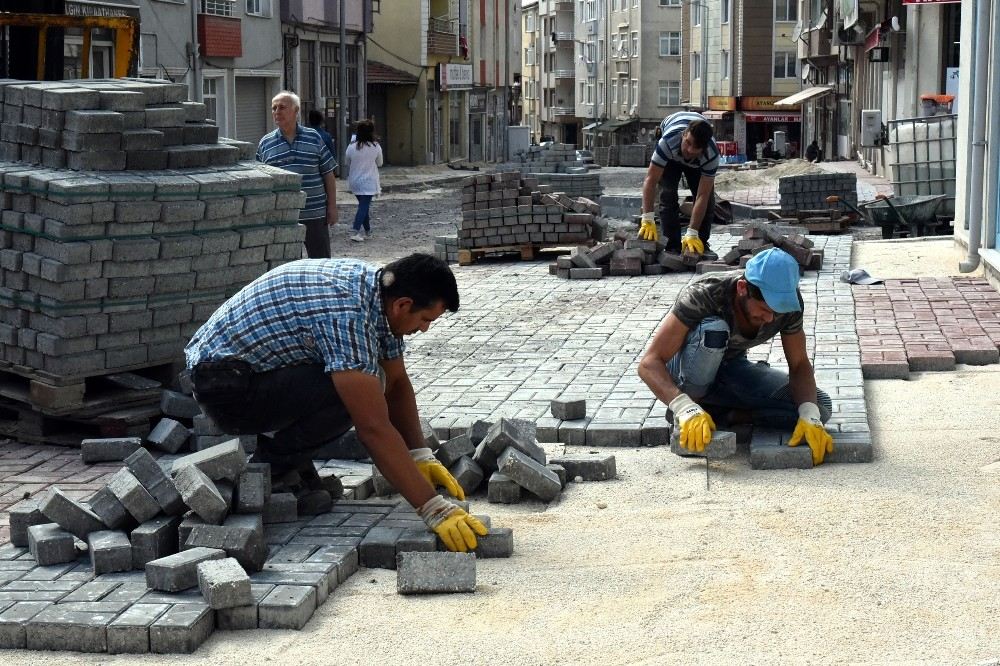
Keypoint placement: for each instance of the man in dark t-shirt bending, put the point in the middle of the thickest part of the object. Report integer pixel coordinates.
(698, 357)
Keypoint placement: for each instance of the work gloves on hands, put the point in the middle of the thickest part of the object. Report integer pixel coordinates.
(452, 524)
(647, 228)
(810, 428)
(691, 243)
(695, 423)
(436, 473)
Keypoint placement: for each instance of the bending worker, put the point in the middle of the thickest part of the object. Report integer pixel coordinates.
(698, 360)
(314, 346)
(686, 147)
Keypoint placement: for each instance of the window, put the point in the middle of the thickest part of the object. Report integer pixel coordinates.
(785, 65)
(614, 91)
(635, 92)
(786, 10)
(725, 11)
(529, 22)
(210, 96)
(217, 7)
(590, 93)
(670, 43)
(377, 6)
(583, 90)
(670, 93)
(614, 45)
(635, 3)
(529, 56)
(696, 14)
(259, 8)
(695, 66)
(725, 64)
(635, 44)
(600, 92)
(601, 54)
(670, 3)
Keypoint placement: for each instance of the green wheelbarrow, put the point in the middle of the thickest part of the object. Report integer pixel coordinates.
(913, 214)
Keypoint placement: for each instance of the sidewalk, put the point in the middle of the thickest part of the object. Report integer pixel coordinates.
(404, 178)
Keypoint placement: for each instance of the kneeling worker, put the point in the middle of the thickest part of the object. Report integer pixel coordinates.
(314, 346)
(698, 359)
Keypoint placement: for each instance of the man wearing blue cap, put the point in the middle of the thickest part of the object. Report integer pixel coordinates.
(698, 357)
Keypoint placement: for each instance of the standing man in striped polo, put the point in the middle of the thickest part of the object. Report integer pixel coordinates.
(301, 149)
(686, 147)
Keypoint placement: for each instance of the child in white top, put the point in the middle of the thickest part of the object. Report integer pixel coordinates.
(363, 158)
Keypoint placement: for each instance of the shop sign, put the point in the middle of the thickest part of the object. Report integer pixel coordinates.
(930, 2)
(97, 9)
(772, 117)
(761, 104)
(454, 77)
(477, 101)
(721, 103)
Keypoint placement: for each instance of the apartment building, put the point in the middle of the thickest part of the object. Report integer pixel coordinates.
(547, 70)
(450, 74)
(531, 84)
(237, 67)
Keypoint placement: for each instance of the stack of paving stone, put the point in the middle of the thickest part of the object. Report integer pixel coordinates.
(810, 191)
(554, 158)
(508, 459)
(503, 209)
(446, 248)
(760, 237)
(626, 256)
(107, 270)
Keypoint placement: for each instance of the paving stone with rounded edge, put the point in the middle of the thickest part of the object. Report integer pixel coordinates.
(13, 620)
(182, 629)
(56, 628)
(529, 474)
(421, 573)
(109, 449)
(588, 466)
(247, 546)
(200, 494)
(498, 543)
(243, 617)
(722, 445)
(129, 632)
(22, 516)
(287, 607)
(222, 461)
(179, 571)
(155, 481)
(154, 539)
(133, 496)
(109, 509)
(49, 544)
(224, 583)
(501, 489)
(110, 551)
(169, 435)
(70, 514)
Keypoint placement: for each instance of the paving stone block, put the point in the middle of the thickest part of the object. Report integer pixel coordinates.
(498, 543)
(569, 409)
(183, 628)
(450, 451)
(468, 474)
(109, 509)
(485, 458)
(155, 539)
(501, 489)
(422, 573)
(179, 406)
(179, 571)
(529, 474)
(133, 496)
(247, 546)
(49, 544)
(477, 431)
(773, 453)
(169, 435)
(281, 508)
(129, 632)
(22, 516)
(224, 583)
(155, 481)
(70, 514)
(378, 548)
(588, 466)
(14, 619)
(723, 445)
(223, 461)
(200, 494)
(250, 491)
(850, 447)
(517, 434)
(113, 449)
(560, 471)
(56, 628)
(419, 539)
(287, 607)
(187, 524)
(243, 617)
(110, 550)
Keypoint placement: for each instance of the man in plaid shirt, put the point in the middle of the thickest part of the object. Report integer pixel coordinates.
(315, 346)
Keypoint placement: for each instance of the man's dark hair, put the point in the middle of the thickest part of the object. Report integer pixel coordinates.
(754, 292)
(316, 118)
(701, 132)
(422, 277)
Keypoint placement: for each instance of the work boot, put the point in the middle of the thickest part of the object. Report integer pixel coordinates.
(313, 502)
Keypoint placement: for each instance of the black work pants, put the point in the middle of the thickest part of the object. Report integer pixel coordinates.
(299, 404)
(670, 206)
(317, 239)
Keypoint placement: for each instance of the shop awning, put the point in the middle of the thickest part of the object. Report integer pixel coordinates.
(378, 73)
(590, 126)
(614, 125)
(804, 96)
(717, 115)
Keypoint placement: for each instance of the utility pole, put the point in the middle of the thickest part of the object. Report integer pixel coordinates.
(342, 91)
(196, 89)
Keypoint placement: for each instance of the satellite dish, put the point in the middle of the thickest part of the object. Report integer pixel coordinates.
(643, 130)
(894, 23)
(806, 68)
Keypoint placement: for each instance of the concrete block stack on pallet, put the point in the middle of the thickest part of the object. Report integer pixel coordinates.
(107, 270)
(810, 191)
(506, 458)
(503, 209)
(554, 158)
(446, 248)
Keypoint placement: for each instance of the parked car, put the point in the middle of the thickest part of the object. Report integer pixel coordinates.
(587, 157)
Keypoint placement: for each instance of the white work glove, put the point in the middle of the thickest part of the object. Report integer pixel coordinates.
(691, 243)
(436, 473)
(695, 423)
(456, 528)
(647, 228)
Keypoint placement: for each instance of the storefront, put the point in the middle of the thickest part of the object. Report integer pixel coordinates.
(721, 113)
(761, 117)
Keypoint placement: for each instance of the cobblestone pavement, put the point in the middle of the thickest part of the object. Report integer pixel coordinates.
(926, 324)
(523, 337)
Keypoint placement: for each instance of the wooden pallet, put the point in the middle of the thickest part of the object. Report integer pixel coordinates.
(91, 396)
(527, 251)
(23, 424)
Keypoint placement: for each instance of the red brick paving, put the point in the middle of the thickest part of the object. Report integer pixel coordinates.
(926, 324)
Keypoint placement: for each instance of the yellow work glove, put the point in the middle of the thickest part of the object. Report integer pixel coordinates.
(810, 428)
(691, 243)
(647, 228)
(436, 473)
(456, 528)
(695, 423)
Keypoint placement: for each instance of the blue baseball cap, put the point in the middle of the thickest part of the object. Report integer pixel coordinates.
(776, 274)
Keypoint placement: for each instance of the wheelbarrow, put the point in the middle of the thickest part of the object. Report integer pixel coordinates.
(911, 213)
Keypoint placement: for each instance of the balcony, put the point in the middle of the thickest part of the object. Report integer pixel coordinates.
(562, 111)
(564, 73)
(564, 36)
(442, 36)
(819, 44)
(622, 67)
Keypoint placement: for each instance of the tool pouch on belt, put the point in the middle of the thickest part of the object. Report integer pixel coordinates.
(224, 381)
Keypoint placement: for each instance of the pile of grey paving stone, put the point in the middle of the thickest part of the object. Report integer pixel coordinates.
(126, 222)
(626, 255)
(504, 209)
(553, 158)
(809, 191)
